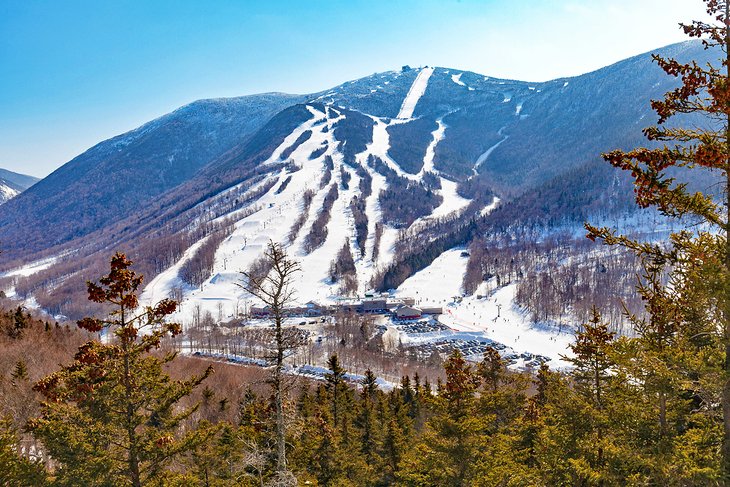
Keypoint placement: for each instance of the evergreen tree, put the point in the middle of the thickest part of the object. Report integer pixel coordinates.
(336, 387)
(702, 256)
(367, 418)
(112, 417)
(16, 470)
(447, 451)
(20, 372)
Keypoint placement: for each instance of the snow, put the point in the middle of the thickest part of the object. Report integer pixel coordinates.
(366, 266)
(499, 319)
(437, 284)
(418, 88)
(490, 207)
(456, 78)
(292, 137)
(162, 285)
(489, 151)
(495, 317)
(312, 283)
(32, 268)
(381, 144)
(437, 135)
(451, 203)
(6, 193)
(372, 209)
(251, 233)
(387, 245)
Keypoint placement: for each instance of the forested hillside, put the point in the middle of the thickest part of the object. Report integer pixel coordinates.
(325, 306)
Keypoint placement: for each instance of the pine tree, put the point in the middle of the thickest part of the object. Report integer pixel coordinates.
(491, 369)
(112, 417)
(336, 386)
(20, 323)
(702, 256)
(591, 370)
(591, 359)
(20, 372)
(16, 470)
(367, 419)
(447, 452)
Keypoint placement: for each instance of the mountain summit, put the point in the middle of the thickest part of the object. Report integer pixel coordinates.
(365, 183)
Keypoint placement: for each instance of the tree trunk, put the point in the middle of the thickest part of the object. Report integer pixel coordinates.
(278, 393)
(726, 279)
(132, 453)
(662, 414)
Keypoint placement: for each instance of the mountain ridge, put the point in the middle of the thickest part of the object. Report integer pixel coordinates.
(396, 188)
(13, 183)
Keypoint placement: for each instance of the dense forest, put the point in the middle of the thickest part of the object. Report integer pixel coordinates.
(110, 402)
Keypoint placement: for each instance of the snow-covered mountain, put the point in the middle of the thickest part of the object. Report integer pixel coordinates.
(402, 170)
(12, 184)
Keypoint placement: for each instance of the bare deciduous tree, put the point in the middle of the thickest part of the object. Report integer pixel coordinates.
(275, 289)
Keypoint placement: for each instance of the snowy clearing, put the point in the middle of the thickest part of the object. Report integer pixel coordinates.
(456, 78)
(32, 268)
(495, 317)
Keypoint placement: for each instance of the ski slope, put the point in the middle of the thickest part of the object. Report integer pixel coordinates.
(494, 317)
(271, 216)
(418, 88)
(482, 158)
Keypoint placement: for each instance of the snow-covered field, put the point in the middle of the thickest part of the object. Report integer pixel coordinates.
(494, 317)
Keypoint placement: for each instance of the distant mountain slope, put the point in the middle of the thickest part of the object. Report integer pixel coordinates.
(23, 181)
(121, 175)
(568, 122)
(399, 167)
(13, 183)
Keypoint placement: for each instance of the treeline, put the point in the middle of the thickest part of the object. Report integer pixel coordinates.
(198, 268)
(283, 185)
(483, 425)
(345, 178)
(431, 180)
(156, 243)
(354, 132)
(476, 188)
(403, 201)
(409, 141)
(318, 233)
(342, 270)
(415, 254)
(558, 279)
(360, 218)
(319, 151)
(303, 137)
(329, 165)
(307, 198)
(357, 207)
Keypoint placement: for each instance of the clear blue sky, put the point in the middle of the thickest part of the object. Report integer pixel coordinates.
(73, 73)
